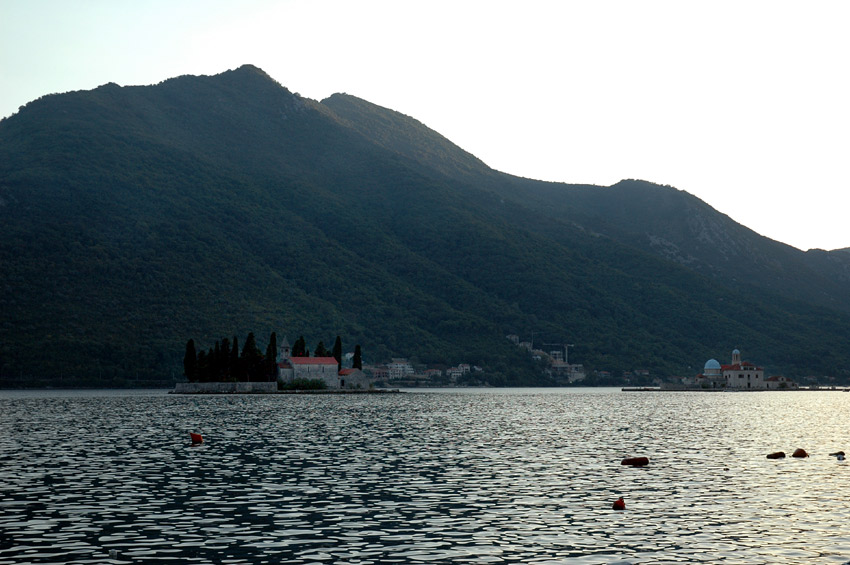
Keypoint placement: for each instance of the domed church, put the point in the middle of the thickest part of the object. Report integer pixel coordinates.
(737, 375)
(711, 376)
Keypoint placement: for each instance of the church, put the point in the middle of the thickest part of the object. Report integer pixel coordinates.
(325, 369)
(738, 375)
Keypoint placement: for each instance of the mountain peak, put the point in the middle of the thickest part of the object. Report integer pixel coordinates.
(248, 70)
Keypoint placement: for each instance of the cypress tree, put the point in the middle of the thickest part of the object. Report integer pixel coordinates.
(209, 370)
(299, 348)
(252, 359)
(201, 369)
(357, 362)
(321, 350)
(224, 375)
(190, 362)
(337, 352)
(215, 375)
(271, 358)
(235, 365)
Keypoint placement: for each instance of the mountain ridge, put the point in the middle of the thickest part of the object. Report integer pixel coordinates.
(207, 207)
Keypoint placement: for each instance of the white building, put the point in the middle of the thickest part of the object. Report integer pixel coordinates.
(779, 383)
(399, 368)
(743, 374)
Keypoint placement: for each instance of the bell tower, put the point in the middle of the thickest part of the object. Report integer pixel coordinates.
(285, 350)
(736, 357)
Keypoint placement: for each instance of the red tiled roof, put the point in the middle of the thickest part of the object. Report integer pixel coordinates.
(312, 361)
(347, 371)
(745, 366)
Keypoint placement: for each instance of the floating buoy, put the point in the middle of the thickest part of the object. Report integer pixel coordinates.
(619, 504)
(799, 452)
(838, 455)
(635, 461)
(196, 438)
(113, 554)
(776, 455)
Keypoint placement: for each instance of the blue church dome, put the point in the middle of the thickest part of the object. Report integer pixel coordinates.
(712, 364)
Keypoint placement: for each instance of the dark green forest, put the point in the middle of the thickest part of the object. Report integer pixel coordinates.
(134, 218)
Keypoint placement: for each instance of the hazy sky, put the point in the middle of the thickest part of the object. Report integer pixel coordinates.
(741, 103)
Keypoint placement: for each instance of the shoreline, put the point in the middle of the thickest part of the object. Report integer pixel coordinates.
(296, 391)
(793, 389)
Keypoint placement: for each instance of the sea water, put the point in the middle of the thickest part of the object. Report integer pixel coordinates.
(430, 476)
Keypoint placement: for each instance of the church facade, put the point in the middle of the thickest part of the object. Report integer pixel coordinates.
(743, 374)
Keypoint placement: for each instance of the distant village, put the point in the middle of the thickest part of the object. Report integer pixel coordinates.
(399, 372)
(557, 362)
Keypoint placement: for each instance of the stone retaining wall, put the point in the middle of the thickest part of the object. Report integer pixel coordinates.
(225, 388)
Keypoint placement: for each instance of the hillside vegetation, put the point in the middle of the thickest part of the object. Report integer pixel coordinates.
(133, 218)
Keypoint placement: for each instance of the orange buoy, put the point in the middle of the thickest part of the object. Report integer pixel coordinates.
(619, 504)
(776, 455)
(635, 461)
(196, 438)
(799, 452)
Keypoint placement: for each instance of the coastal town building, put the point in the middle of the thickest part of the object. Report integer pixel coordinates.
(779, 383)
(399, 368)
(571, 372)
(379, 373)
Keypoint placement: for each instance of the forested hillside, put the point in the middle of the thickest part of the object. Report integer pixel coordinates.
(133, 218)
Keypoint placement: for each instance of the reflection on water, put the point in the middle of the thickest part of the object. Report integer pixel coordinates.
(475, 476)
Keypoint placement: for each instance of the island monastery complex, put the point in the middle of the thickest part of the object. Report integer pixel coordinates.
(737, 375)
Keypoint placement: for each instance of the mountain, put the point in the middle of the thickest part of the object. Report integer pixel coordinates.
(135, 218)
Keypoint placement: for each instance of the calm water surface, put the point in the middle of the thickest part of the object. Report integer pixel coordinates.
(464, 476)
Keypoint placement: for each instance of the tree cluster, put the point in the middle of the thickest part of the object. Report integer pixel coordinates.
(299, 349)
(224, 362)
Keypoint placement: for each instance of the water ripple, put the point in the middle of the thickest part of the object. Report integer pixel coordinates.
(426, 477)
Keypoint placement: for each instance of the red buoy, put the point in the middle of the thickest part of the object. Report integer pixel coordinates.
(776, 455)
(196, 438)
(799, 452)
(635, 461)
(619, 504)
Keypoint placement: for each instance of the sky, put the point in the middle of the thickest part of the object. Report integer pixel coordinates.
(744, 104)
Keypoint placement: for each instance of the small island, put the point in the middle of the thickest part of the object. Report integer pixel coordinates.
(283, 369)
(739, 375)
